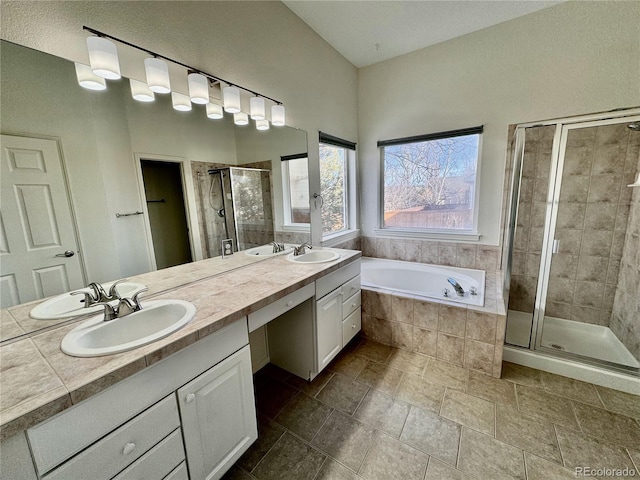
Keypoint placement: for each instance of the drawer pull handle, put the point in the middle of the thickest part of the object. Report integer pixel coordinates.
(289, 303)
(190, 397)
(128, 448)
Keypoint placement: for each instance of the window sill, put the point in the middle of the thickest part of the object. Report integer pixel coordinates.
(296, 228)
(428, 235)
(340, 237)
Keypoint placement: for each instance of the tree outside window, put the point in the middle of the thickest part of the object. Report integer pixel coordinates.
(431, 184)
(333, 181)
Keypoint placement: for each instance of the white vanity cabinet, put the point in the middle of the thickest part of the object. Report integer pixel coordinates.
(303, 339)
(135, 429)
(218, 416)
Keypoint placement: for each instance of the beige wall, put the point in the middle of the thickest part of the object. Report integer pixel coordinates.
(578, 57)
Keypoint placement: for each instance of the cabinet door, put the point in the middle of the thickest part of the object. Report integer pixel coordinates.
(218, 416)
(329, 327)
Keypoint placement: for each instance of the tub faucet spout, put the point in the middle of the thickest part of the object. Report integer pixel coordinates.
(456, 286)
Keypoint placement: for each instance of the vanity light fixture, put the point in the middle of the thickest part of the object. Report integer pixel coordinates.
(157, 72)
(240, 118)
(262, 124)
(89, 80)
(231, 99)
(198, 88)
(104, 63)
(277, 115)
(103, 58)
(181, 102)
(214, 111)
(140, 91)
(256, 107)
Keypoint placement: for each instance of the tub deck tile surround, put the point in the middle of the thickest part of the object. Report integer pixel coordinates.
(465, 335)
(449, 429)
(38, 380)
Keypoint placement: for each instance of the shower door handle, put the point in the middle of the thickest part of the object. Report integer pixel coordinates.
(556, 246)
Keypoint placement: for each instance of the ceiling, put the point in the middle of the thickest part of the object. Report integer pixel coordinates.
(366, 32)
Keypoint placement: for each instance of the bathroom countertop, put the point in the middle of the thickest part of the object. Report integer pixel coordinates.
(38, 380)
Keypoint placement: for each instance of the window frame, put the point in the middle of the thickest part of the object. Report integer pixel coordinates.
(346, 192)
(287, 218)
(431, 233)
(351, 205)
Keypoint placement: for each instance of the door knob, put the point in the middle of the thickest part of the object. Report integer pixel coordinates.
(68, 253)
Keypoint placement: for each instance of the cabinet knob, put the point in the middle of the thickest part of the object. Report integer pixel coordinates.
(128, 448)
(353, 326)
(353, 305)
(190, 397)
(289, 303)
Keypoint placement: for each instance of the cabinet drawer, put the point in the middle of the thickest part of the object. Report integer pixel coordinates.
(119, 449)
(158, 462)
(277, 308)
(351, 325)
(178, 473)
(351, 287)
(333, 280)
(351, 303)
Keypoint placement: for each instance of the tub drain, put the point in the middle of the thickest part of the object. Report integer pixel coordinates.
(557, 346)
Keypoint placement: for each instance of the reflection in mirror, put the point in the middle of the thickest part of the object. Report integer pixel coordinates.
(82, 164)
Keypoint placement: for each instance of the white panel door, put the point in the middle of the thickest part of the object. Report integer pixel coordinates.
(36, 226)
(218, 416)
(329, 327)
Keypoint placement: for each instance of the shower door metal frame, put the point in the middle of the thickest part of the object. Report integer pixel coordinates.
(555, 182)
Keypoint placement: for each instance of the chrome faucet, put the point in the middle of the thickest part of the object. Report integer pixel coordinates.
(456, 286)
(300, 250)
(277, 247)
(126, 306)
(98, 294)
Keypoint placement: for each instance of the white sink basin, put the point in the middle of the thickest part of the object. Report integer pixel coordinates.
(156, 320)
(267, 251)
(67, 305)
(315, 256)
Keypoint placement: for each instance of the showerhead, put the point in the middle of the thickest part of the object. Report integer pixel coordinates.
(634, 126)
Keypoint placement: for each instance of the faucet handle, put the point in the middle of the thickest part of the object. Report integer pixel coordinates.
(135, 300)
(88, 300)
(99, 294)
(113, 291)
(110, 312)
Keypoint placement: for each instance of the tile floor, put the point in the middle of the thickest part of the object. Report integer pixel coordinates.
(379, 413)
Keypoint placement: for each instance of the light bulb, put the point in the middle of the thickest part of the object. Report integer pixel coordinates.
(214, 111)
(257, 109)
(140, 91)
(157, 75)
(103, 58)
(277, 115)
(262, 124)
(180, 102)
(89, 80)
(198, 88)
(240, 118)
(231, 99)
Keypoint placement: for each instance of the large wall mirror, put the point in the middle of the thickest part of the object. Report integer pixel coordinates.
(143, 186)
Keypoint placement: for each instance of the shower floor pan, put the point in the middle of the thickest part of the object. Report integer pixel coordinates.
(595, 341)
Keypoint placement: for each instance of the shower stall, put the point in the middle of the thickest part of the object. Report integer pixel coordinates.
(572, 242)
(236, 204)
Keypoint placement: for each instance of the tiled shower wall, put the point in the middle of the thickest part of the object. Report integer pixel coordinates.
(592, 219)
(532, 205)
(625, 320)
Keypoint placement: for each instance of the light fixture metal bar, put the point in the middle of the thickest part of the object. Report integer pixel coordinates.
(188, 67)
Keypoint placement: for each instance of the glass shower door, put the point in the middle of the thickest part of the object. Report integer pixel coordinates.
(582, 251)
(525, 233)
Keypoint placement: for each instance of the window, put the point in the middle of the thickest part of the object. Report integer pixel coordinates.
(333, 185)
(429, 181)
(337, 178)
(295, 186)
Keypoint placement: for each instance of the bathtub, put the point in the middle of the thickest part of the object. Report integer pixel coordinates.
(423, 280)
